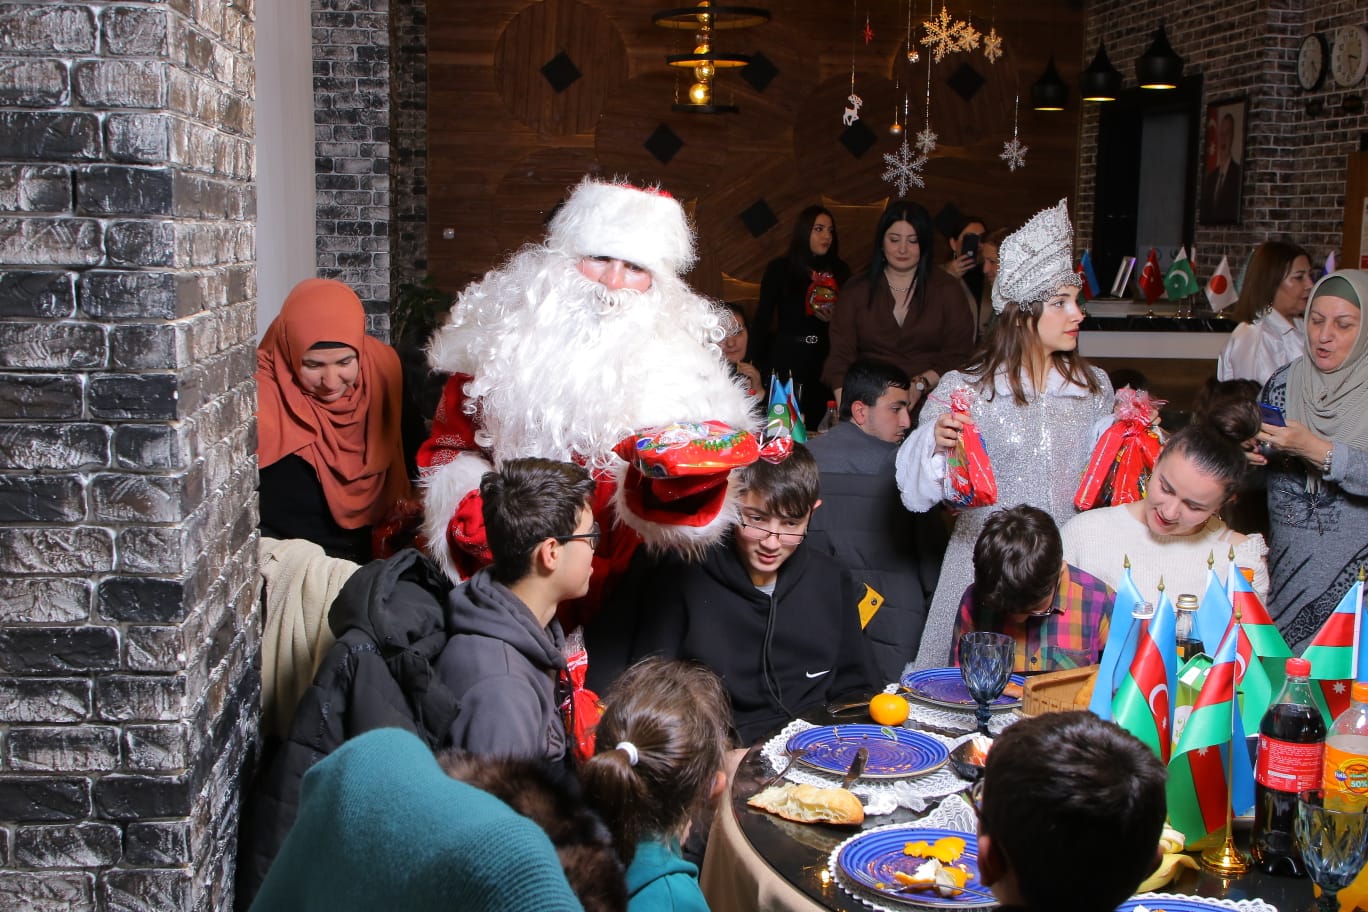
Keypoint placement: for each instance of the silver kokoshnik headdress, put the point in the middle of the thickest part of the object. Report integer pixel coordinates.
(1036, 259)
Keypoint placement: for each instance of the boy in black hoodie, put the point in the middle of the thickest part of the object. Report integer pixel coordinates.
(505, 660)
(778, 621)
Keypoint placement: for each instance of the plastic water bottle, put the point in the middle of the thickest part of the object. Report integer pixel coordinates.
(1292, 746)
(829, 419)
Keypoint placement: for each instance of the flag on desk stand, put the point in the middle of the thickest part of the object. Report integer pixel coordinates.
(1152, 278)
(1121, 641)
(1330, 265)
(1143, 704)
(782, 418)
(1337, 652)
(1181, 281)
(1220, 289)
(1198, 790)
(1085, 268)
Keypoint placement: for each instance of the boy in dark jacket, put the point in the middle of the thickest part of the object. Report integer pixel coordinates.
(778, 621)
(505, 660)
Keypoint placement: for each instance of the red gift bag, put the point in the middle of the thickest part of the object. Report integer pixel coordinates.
(1125, 454)
(969, 480)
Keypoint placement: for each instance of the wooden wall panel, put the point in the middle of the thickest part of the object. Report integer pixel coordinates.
(503, 146)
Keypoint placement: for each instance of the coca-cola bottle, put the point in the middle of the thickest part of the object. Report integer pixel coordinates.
(1291, 759)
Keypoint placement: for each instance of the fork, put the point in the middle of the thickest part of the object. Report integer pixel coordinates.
(793, 758)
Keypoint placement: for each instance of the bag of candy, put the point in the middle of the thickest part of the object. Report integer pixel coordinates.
(969, 480)
(1125, 454)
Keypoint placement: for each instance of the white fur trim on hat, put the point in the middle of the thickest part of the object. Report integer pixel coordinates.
(645, 227)
(444, 487)
(685, 539)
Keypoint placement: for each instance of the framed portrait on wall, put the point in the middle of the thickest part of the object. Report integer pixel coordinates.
(1223, 162)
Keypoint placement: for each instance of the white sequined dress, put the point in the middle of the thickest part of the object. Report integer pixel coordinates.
(1038, 452)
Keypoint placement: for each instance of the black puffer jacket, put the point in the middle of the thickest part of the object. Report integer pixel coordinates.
(389, 620)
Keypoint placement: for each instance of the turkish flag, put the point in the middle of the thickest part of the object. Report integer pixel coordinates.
(1152, 278)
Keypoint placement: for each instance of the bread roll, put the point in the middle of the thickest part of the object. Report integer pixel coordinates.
(810, 804)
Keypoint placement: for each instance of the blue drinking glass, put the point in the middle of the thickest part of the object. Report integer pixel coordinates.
(1332, 833)
(986, 661)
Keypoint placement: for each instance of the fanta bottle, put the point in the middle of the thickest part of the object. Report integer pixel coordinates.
(1346, 772)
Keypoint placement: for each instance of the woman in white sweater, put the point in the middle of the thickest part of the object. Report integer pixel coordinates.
(1173, 532)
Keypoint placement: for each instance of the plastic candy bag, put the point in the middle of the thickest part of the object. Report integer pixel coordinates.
(689, 448)
(969, 480)
(1124, 456)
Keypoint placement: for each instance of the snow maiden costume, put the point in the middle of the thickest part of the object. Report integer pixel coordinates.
(1038, 450)
(546, 362)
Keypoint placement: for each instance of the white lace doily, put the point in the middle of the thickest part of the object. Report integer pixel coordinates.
(954, 813)
(1155, 902)
(951, 718)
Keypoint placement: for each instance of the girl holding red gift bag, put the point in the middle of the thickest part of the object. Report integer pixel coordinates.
(1028, 405)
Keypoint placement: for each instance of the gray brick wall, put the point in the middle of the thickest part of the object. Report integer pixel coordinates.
(408, 166)
(1294, 163)
(129, 627)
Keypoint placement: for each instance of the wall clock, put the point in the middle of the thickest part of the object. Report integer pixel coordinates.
(1349, 56)
(1313, 61)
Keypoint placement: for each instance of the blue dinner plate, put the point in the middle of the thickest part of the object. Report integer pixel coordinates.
(945, 687)
(894, 753)
(870, 860)
(1167, 902)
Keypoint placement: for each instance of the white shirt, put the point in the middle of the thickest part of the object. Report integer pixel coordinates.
(1257, 349)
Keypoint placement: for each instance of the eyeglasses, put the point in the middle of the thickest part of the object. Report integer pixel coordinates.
(755, 533)
(592, 537)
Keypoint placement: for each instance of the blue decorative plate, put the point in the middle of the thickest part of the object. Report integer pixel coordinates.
(1168, 902)
(944, 687)
(894, 753)
(870, 860)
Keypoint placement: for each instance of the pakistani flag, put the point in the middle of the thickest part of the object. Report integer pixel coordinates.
(1121, 643)
(1180, 281)
(1198, 791)
(1144, 700)
(1336, 651)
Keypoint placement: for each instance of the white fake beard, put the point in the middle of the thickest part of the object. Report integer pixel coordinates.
(565, 368)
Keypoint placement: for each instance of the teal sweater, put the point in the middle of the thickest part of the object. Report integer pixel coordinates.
(658, 880)
(382, 826)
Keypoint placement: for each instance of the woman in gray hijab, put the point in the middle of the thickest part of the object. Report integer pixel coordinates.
(1318, 467)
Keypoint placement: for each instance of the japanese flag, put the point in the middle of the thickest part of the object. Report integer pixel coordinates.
(1220, 290)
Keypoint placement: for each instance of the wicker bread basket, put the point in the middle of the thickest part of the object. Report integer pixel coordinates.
(1057, 691)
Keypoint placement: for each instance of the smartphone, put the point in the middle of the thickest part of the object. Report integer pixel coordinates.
(969, 246)
(1272, 415)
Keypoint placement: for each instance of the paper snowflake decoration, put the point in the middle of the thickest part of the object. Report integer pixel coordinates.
(966, 37)
(868, 32)
(1013, 153)
(941, 35)
(903, 170)
(926, 141)
(992, 45)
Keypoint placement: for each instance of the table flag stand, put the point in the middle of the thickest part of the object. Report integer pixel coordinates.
(1225, 859)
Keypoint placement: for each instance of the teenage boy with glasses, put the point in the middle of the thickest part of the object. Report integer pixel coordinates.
(505, 659)
(776, 619)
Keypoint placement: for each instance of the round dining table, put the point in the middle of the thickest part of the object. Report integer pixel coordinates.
(758, 861)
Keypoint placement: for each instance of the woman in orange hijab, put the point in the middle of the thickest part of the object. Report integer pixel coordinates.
(329, 445)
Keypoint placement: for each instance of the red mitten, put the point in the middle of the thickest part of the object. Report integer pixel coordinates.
(466, 535)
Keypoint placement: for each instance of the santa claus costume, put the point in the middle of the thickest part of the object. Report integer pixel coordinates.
(544, 361)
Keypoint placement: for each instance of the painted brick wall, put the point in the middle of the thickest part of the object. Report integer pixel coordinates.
(128, 621)
(409, 162)
(1294, 163)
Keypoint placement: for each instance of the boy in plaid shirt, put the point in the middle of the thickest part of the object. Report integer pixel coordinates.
(1022, 587)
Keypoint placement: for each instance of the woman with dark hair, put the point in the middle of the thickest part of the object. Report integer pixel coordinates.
(1272, 302)
(1318, 470)
(904, 311)
(1038, 405)
(736, 346)
(802, 288)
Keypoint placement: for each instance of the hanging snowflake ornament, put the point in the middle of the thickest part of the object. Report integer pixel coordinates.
(966, 36)
(1014, 154)
(941, 36)
(868, 32)
(903, 170)
(992, 45)
(926, 141)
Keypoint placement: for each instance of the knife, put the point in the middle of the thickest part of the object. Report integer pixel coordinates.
(856, 767)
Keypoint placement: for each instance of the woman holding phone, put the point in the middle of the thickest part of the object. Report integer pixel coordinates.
(1318, 463)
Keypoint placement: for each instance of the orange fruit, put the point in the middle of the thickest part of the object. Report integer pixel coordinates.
(888, 709)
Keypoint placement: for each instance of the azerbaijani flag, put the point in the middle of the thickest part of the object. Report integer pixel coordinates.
(1336, 652)
(1198, 793)
(1121, 642)
(1262, 651)
(1213, 615)
(1089, 276)
(780, 419)
(1144, 699)
(799, 428)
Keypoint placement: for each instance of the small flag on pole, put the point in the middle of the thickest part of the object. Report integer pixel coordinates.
(1220, 290)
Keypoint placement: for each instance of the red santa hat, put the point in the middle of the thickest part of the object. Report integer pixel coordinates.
(646, 227)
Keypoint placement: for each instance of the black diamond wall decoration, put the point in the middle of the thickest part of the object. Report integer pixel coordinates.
(949, 220)
(858, 139)
(965, 81)
(561, 72)
(759, 218)
(664, 144)
(760, 72)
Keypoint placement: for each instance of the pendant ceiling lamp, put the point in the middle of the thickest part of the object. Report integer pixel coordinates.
(1050, 93)
(704, 20)
(1160, 67)
(1101, 81)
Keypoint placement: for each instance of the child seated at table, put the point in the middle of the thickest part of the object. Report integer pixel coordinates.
(1022, 587)
(777, 620)
(1071, 814)
(660, 752)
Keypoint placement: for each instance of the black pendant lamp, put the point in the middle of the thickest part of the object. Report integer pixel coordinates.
(1160, 67)
(1050, 93)
(1101, 81)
